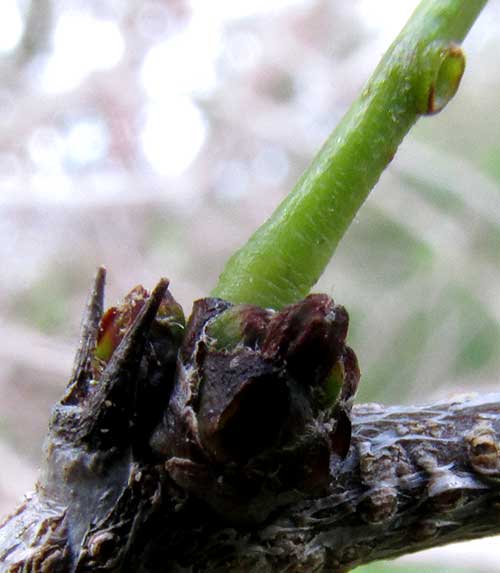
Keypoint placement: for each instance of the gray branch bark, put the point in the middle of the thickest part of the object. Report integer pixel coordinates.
(415, 478)
(113, 498)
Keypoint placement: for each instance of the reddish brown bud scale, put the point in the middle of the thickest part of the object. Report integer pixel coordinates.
(115, 323)
(246, 407)
(309, 336)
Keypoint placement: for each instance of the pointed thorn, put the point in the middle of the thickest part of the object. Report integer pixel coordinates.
(95, 304)
(90, 324)
(82, 366)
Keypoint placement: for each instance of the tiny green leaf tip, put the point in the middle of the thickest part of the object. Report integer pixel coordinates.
(226, 331)
(418, 75)
(331, 387)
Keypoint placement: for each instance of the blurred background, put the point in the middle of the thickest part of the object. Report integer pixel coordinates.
(154, 136)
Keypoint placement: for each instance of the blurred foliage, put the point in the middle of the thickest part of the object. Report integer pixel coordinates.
(45, 305)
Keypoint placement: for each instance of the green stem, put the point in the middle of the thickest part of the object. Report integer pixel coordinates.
(418, 75)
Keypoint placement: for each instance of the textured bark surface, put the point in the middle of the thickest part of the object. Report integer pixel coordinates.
(261, 474)
(415, 478)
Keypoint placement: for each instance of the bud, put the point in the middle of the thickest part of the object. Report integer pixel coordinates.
(238, 326)
(168, 325)
(309, 337)
(115, 323)
(260, 402)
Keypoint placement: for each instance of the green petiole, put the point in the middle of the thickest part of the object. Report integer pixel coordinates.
(418, 75)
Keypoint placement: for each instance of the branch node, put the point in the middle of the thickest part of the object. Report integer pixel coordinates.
(483, 449)
(443, 68)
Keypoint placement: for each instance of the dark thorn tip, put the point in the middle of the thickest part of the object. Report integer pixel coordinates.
(90, 325)
(95, 308)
